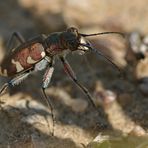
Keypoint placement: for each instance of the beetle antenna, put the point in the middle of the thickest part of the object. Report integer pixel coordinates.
(99, 53)
(102, 33)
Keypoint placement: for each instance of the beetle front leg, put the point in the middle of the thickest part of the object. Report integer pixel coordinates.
(72, 75)
(46, 81)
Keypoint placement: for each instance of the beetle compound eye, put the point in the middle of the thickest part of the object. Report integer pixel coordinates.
(72, 29)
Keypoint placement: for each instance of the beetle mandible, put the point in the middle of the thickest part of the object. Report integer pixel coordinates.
(39, 53)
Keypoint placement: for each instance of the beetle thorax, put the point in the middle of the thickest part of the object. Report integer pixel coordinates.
(53, 45)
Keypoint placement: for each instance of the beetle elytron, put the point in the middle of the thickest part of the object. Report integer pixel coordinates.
(39, 53)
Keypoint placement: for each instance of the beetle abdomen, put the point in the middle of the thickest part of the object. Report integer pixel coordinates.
(21, 60)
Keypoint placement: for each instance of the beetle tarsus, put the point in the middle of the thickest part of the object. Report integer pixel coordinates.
(5, 86)
(18, 36)
(51, 108)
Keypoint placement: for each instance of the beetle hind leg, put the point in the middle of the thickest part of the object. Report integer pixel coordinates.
(3, 88)
(46, 80)
(18, 36)
(51, 108)
(15, 81)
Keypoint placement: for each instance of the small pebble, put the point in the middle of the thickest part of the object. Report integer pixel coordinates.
(137, 131)
(104, 97)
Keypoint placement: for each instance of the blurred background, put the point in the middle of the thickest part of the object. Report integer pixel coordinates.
(25, 120)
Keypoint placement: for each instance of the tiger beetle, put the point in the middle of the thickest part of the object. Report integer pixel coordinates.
(39, 53)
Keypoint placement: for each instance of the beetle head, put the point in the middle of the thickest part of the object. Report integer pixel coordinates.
(73, 40)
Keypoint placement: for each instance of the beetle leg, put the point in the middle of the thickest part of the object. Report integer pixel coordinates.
(46, 81)
(18, 36)
(15, 81)
(47, 77)
(5, 86)
(72, 75)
